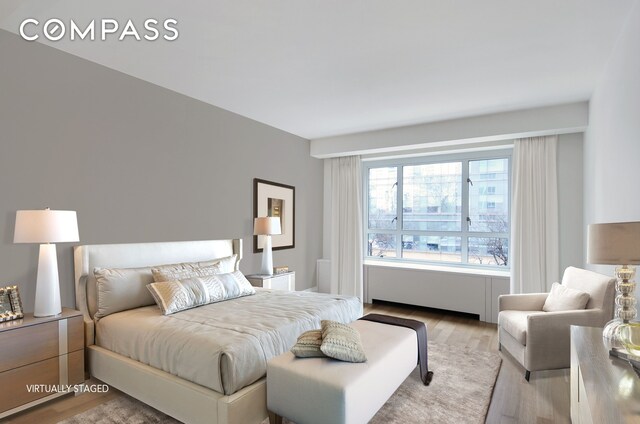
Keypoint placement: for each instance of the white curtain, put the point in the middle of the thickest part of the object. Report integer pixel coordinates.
(534, 218)
(346, 226)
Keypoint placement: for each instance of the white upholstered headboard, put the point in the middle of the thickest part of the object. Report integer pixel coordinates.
(134, 255)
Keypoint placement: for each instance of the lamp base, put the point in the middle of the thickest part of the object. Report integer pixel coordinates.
(267, 257)
(625, 306)
(47, 284)
(611, 334)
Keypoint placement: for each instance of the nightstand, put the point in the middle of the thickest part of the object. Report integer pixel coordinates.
(286, 281)
(40, 356)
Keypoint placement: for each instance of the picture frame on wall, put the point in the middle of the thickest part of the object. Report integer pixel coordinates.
(275, 200)
(10, 304)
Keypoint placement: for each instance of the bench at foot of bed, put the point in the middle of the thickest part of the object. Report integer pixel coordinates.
(322, 390)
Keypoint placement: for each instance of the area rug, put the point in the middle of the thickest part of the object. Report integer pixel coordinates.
(460, 392)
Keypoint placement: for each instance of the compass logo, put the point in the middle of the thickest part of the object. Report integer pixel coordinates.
(55, 29)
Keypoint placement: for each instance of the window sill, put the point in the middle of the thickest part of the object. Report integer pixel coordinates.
(440, 268)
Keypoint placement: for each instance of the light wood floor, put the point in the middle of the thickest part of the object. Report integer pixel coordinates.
(545, 399)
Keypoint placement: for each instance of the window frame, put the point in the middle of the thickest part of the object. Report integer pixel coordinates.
(465, 233)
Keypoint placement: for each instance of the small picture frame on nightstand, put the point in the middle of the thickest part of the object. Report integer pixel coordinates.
(10, 304)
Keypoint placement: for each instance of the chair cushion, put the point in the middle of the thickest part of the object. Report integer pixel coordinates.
(562, 298)
(515, 323)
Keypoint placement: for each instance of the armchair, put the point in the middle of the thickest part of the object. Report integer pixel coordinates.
(541, 340)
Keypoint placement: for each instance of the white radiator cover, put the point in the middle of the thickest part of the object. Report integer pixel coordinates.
(462, 292)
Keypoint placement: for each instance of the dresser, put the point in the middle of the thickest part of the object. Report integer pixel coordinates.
(603, 389)
(39, 357)
(285, 281)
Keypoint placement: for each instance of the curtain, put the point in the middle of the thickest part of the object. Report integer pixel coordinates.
(346, 226)
(534, 219)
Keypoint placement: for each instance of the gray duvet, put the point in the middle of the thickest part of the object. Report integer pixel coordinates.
(223, 346)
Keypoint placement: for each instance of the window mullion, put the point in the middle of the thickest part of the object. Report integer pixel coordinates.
(399, 209)
(464, 243)
(433, 233)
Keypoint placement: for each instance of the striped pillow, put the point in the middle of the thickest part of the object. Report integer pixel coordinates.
(178, 295)
(308, 345)
(193, 269)
(339, 341)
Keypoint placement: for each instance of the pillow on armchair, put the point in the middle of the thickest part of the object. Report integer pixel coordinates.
(562, 298)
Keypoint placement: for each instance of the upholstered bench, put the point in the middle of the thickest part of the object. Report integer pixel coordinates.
(323, 390)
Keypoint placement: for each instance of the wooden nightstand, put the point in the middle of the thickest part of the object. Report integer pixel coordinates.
(286, 281)
(39, 356)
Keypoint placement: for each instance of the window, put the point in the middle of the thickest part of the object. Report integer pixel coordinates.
(453, 210)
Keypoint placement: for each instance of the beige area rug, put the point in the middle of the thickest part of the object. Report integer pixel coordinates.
(460, 392)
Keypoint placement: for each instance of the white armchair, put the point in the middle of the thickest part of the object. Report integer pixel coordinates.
(541, 340)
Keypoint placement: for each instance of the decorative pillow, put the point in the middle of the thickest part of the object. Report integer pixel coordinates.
(339, 341)
(308, 345)
(120, 289)
(172, 274)
(235, 285)
(193, 269)
(178, 295)
(228, 264)
(562, 298)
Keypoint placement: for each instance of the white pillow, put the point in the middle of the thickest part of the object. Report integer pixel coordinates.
(193, 269)
(228, 264)
(563, 298)
(120, 289)
(178, 295)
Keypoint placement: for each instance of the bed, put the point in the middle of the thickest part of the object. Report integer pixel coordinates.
(202, 365)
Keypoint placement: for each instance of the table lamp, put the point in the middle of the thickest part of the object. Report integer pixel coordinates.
(46, 227)
(266, 226)
(617, 244)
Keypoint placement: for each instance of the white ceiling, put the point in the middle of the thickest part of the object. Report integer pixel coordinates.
(322, 68)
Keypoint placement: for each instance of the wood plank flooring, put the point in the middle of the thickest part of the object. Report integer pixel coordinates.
(544, 400)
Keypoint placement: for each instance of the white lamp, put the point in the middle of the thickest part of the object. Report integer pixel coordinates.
(46, 227)
(617, 243)
(266, 226)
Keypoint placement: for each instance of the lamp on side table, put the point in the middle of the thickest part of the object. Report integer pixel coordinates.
(617, 244)
(266, 226)
(46, 227)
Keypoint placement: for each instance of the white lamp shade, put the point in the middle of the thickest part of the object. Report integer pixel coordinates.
(615, 243)
(46, 226)
(266, 226)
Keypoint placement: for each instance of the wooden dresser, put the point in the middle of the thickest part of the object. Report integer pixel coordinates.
(603, 389)
(39, 356)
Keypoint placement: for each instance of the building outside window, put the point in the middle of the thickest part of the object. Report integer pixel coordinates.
(452, 210)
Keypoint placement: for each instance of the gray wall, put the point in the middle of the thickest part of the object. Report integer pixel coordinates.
(138, 162)
(612, 141)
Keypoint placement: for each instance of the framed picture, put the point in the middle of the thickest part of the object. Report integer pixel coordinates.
(275, 200)
(10, 304)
